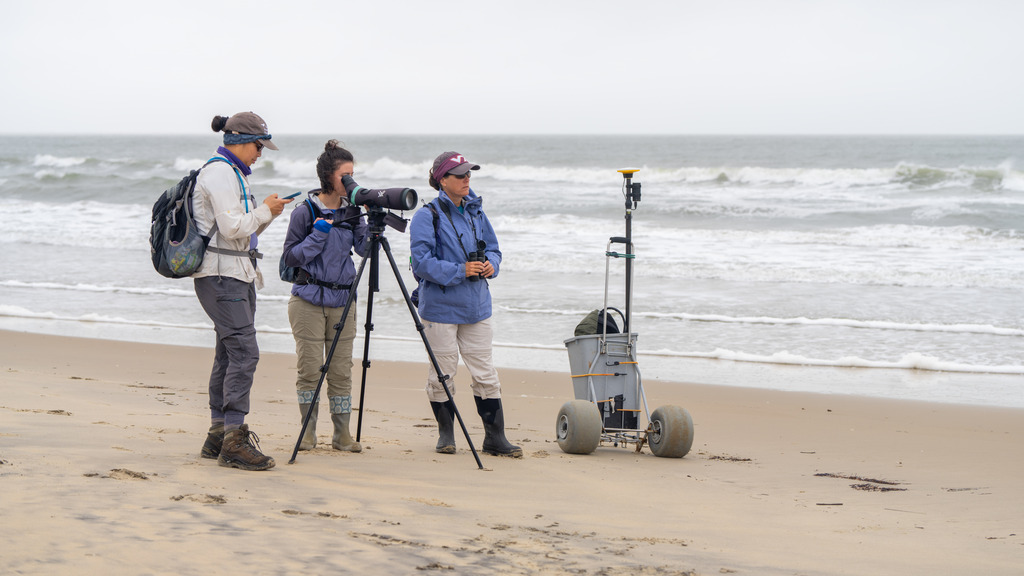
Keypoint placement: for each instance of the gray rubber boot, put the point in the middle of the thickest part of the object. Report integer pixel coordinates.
(444, 413)
(309, 438)
(495, 442)
(341, 415)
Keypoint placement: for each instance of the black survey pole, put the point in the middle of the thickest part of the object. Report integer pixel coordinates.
(631, 193)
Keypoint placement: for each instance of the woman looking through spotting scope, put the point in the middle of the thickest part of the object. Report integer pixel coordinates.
(454, 252)
(322, 234)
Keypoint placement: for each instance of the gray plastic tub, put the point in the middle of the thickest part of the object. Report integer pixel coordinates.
(604, 371)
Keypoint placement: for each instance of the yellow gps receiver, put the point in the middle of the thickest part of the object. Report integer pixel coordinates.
(630, 189)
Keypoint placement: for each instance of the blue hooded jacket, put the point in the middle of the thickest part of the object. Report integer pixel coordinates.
(325, 252)
(446, 295)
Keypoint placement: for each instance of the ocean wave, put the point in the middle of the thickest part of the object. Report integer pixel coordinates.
(548, 227)
(136, 291)
(58, 161)
(845, 323)
(834, 322)
(891, 255)
(385, 171)
(176, 292)
(185, 165)
(904, 175)
(19, 312)
(95, 224)
(92, 318)
(911, 361)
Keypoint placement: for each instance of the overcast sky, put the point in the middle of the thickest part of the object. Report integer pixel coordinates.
(486, 67)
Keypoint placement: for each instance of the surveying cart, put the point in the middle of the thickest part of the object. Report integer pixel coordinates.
(608, 389)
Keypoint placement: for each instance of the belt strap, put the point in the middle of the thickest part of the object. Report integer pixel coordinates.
(240, 253)
(331, 285)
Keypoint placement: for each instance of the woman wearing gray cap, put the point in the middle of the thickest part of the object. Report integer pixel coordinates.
(454, 253)
(226, 283)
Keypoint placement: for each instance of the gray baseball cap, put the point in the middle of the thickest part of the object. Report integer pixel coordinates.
(249, 123)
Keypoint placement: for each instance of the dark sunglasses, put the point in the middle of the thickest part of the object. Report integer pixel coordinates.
(460, 177)
(259, 146)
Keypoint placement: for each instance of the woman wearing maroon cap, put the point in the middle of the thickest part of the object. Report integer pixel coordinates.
(454, 260)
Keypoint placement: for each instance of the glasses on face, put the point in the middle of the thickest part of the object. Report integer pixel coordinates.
(259, 146)
(460, 176)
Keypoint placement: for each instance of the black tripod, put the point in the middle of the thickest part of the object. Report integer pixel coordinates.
(378, 219)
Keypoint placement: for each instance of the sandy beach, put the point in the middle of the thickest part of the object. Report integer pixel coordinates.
(100, 474)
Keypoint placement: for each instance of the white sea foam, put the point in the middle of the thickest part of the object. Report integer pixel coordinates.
(366, 173)
(19, 312)
(877, 255)
(95, 224)
(177, 292)
(843, 322)
(57, 161)
(184, 165)
(912, 361)
(287, 168)
(901, 175)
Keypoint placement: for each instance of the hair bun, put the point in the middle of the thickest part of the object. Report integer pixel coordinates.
(331, 145)
(218, 123)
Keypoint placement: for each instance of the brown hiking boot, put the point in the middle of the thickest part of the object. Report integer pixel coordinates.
(241, 450)
(214, 440)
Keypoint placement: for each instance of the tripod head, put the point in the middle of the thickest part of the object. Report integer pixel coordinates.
(378, 218)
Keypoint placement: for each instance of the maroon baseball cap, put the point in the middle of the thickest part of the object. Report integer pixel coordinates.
(451, 163)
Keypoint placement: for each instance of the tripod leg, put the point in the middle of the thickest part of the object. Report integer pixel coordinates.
(327, 362)
(376, 239)
(441, 376)
(367, 329)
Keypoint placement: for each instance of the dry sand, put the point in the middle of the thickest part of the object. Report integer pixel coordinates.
(100, 474)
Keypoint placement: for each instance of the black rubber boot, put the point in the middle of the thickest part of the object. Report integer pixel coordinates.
(495, 442)
(444, 412)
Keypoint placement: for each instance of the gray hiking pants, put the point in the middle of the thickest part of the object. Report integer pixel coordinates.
(231, 305)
